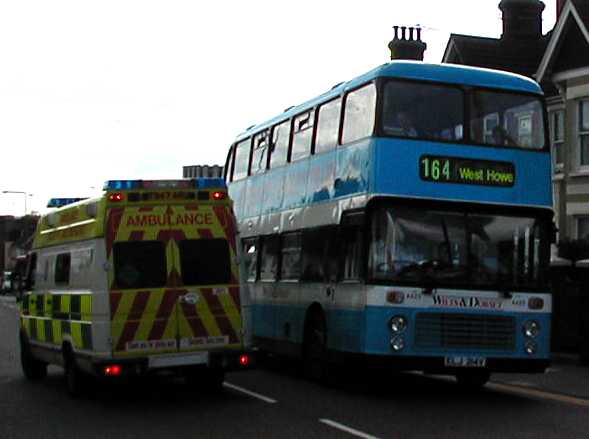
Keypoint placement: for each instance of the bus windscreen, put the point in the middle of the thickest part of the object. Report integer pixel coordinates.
(458, 249)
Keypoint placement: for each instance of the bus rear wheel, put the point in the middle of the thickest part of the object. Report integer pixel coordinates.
(315, 364)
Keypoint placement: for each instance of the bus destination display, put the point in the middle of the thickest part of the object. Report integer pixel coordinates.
(466, 171)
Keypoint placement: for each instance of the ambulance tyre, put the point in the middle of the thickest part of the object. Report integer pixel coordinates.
(473, 380)
(32, 368)
(75, 380)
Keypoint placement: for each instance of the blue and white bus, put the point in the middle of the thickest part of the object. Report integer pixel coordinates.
(403, 217)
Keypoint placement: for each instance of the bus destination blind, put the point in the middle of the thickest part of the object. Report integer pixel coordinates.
(440, 169)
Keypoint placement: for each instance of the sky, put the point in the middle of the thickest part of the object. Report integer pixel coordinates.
(100, 90)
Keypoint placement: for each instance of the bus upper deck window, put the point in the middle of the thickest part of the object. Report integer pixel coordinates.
(421, 110)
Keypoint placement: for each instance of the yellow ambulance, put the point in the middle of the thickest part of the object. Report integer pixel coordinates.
(141, 280)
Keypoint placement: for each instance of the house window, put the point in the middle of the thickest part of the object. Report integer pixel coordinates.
(583, 228)
(557, 138)
(584, 131)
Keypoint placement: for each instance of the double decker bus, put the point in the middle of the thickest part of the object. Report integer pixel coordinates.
(403, 217)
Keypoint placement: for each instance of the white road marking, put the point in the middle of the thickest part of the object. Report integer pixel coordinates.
(250, 393)
(347, 429)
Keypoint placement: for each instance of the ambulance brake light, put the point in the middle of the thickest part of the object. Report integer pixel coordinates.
(217, 195)
(244, 360)
(116, 197)
(113, 370)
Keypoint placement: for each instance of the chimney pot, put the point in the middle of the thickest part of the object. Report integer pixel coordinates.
(403, 48)
(522, 19)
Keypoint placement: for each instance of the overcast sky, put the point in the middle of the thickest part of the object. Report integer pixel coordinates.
(91, 91)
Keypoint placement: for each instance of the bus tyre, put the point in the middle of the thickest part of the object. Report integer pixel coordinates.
(473, 380)
(75, 380)
(32, 368)
(315, 364)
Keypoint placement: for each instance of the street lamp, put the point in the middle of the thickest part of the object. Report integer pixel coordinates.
(20, 192)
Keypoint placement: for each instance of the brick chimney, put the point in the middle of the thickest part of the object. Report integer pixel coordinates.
(405, 46)
(522, 19)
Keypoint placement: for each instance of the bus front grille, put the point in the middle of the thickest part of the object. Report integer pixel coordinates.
(464, 331)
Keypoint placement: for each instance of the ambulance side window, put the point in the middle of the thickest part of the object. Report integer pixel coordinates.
(205, 261)
(62, 269)
(31, 272)
(140, 264)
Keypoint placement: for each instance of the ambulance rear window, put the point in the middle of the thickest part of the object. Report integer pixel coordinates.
(205, 261)
(140, 264)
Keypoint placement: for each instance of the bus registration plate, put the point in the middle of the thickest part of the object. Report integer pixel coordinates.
(465, 361)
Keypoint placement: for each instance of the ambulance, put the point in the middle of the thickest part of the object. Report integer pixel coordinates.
(141, 280)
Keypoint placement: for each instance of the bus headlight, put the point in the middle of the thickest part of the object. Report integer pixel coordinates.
(531, 347)
(398, 324)
(397, 343)
(531, 328)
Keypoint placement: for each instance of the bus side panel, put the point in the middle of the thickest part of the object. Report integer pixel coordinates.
(320, 186)
(346, 318)
(351, 175)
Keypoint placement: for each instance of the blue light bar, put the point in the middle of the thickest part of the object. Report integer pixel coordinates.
(60, 202)
(206, 183)
(117, 185)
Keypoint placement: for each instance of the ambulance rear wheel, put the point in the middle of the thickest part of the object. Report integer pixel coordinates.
(75, 380)
(32, 368)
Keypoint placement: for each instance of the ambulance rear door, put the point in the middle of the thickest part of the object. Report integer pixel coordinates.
(143, 281)
(208, 312)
